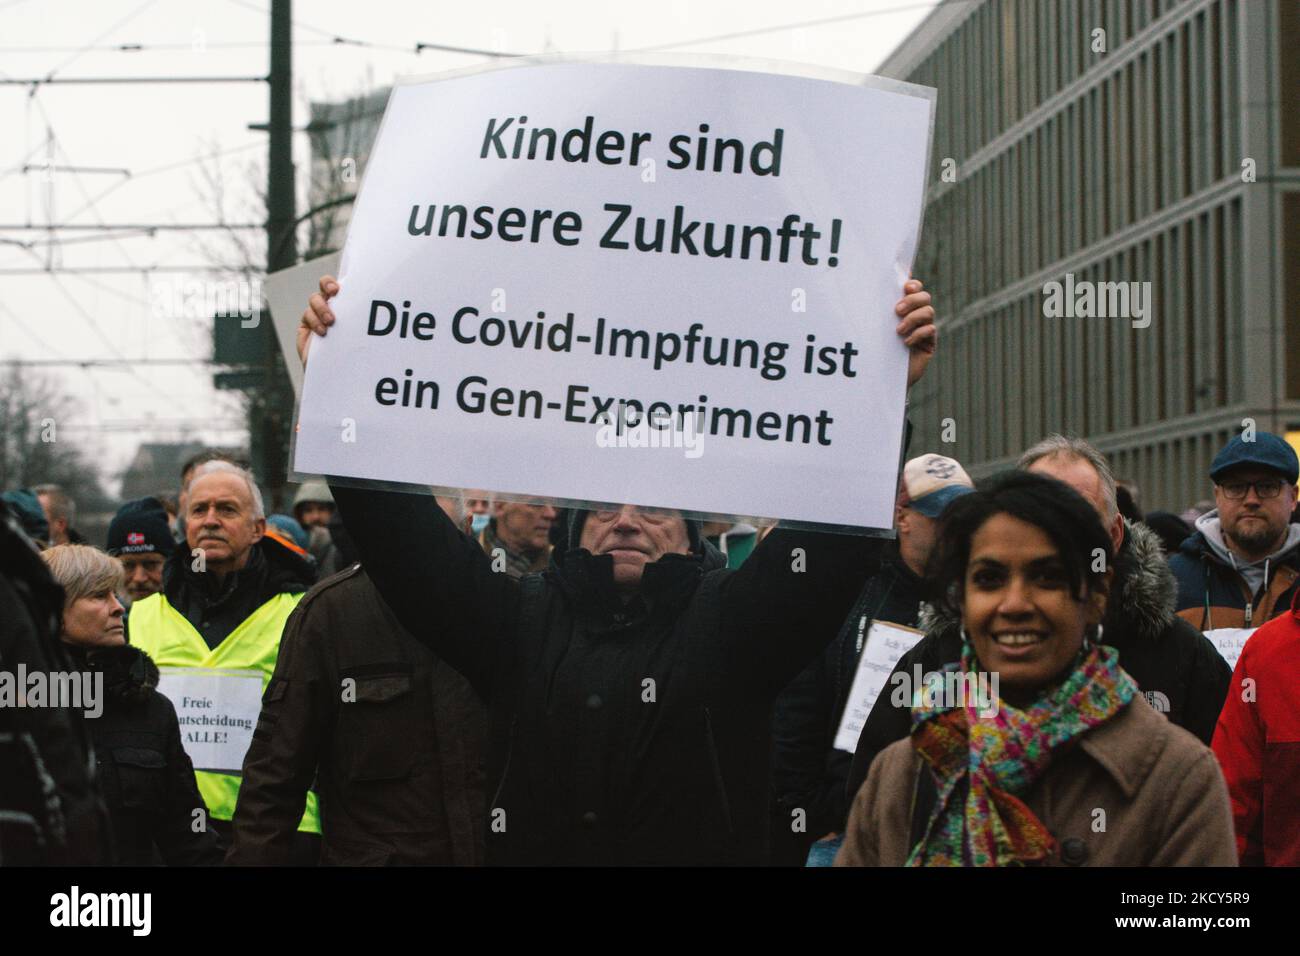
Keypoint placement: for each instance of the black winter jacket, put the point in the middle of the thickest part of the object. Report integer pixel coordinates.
(1177, 668)
(51, 808)
(620, 733)
(147, 777)
(808, 773)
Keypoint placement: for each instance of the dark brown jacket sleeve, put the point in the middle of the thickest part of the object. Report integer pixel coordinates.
(281, 761)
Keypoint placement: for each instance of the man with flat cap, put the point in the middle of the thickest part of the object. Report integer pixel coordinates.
(1242, 565)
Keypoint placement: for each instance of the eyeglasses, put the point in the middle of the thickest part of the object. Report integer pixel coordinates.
(1265, 488)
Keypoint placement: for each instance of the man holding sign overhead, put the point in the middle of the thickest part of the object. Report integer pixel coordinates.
(702, 337)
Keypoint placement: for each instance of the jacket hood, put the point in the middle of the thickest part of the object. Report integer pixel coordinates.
(287, 571)
(1148, 592)
(1146, 597)
(1211, 533)
(130, 675)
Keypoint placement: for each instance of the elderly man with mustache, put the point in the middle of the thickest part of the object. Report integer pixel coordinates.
(227, 594)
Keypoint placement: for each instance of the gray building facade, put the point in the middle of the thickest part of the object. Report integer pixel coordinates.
(1164, 149)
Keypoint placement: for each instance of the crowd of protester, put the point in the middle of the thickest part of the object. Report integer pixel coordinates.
(465, 681)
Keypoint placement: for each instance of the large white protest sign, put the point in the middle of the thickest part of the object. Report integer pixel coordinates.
(217, 711)
(716, 252)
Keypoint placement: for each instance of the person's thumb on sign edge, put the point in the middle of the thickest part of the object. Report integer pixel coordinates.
(317, 317)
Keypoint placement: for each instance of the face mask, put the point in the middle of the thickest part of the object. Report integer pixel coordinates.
(478, 523)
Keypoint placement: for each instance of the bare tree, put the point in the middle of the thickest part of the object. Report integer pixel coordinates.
(35, 446)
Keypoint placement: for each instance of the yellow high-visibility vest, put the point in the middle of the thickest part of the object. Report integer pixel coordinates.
(171, 640)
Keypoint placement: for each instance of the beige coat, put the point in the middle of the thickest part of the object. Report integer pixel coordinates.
(1137, 791)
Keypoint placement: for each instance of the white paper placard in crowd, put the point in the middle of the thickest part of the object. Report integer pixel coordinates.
(1229, 641)
(718, 249)
(217, 711)
(885, 645)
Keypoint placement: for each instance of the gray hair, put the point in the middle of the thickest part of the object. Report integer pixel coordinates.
(83, 571)
(219, 467)
(60, 506)
(1076, 448)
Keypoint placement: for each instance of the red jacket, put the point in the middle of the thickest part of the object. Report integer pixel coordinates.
(1257, 741)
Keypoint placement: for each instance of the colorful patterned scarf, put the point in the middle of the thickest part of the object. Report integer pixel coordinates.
(995, 760)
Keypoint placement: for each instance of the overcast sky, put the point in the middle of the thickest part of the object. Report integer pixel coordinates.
(161, 134)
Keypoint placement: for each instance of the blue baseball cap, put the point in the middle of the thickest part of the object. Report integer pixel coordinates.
(931, 481)
(1266, 451)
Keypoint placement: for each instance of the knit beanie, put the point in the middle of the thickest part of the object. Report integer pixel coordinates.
(140, 526)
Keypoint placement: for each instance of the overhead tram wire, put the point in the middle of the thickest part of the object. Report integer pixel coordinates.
(155, 425)
(106, 363)
(91, 204)
(336, 40)
(60, 242)
(129, 226)
(111, 232)
(203, 267)
(108, 344)
(76, 177)
(63, 290)
(31, 334)
(802, 24)
(35, 82)
(166, 167)
(23, 166)
(122, 22)
(158, 47)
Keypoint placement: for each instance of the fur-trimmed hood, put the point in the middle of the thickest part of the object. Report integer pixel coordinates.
(1143, 603)
(130, 675)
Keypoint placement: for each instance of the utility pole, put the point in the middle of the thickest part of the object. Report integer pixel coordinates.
(281, 248)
